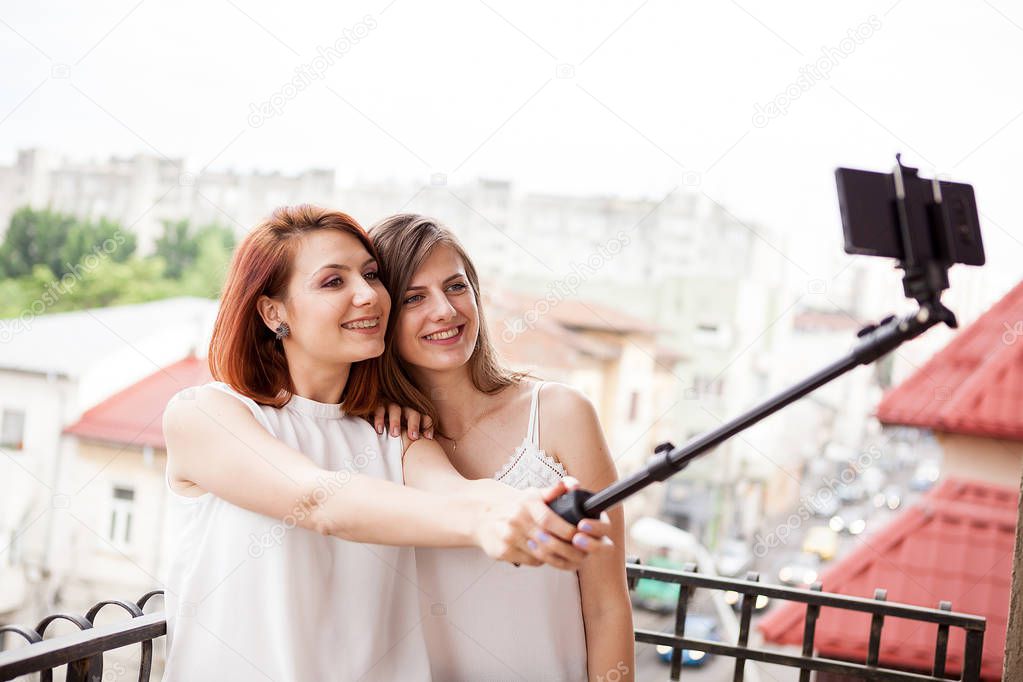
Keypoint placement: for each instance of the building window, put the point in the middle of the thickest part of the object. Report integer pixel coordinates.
(711, 334)
(706, 385)
(12, 430)
(122, 507)
(13, 549)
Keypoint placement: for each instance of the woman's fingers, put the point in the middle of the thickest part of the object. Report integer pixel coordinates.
(555, 491)
(590, 546)
(378, 419)
(427, 426)
(596, 528)
(555, 551)
(412, 422)
(571, 482)
(394, 419)
(592, 537)
(537, 531)
(521, 557)
(545, 518)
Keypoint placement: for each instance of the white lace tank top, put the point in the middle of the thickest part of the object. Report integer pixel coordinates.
(250, 597)
(488, 620)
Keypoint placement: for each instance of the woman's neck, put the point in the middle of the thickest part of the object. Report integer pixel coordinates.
(452, 392)
(319, 382)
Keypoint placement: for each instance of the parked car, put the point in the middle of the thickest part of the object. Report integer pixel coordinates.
(924, 476)
(851, 492)
(665, 546)
(801, 571)
(824, 506)
(734, 599)
(890, 497)
(697, 627)
(872, 480)
(852, 520)
(733, 558)
(657, 595)
(822, 541)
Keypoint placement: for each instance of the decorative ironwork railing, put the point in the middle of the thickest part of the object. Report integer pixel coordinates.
(82, 651)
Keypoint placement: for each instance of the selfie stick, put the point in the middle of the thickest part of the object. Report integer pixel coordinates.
(875, 342)
(924, 280)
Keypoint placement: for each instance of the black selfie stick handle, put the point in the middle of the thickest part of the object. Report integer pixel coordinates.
(570, 506)
(875, 341)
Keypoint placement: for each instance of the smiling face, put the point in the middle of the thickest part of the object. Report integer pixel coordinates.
(335, 304)
(438, 318)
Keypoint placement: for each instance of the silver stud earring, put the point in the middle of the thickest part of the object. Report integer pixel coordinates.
(282, 330)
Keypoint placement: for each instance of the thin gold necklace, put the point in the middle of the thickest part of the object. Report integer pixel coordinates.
(454, 441)
(472, 423)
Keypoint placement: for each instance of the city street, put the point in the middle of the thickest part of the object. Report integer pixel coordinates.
(651, 667)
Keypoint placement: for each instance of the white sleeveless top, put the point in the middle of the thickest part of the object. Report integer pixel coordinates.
(488, 620)
(250, 597)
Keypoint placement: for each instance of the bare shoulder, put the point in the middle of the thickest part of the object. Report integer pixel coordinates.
(199, 418)
(563, 403)
(570, 430)
(190, 404)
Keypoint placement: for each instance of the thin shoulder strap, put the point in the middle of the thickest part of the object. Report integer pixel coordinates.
(533, 430)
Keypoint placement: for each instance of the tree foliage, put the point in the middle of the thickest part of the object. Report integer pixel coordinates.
(51, 262)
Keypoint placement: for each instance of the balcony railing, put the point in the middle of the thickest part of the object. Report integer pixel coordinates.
(750, 588)
(82, 652)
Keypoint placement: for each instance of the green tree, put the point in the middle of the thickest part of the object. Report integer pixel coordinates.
(205, 277)
(181, 247)
(105, 239)
(134, 281)
(34, 237)
(91, 265)
(177, 247)
(60, 242)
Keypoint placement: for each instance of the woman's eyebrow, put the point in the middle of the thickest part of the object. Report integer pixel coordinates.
(341, 266)
(420, 286)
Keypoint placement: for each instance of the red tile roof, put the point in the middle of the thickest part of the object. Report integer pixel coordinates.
(955, 544)
(573, 313)
(972, 386)
(526, 339)
(134, 416)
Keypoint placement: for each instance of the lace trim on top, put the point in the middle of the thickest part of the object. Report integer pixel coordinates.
(530, 466)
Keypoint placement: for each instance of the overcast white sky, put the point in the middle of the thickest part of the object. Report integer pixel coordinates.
(657, 90)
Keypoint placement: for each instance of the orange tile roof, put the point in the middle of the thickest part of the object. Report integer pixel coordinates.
(955, 544)
(974, 385)
(575, 313)
(134, 415)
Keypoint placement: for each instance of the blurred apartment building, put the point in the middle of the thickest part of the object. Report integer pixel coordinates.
(703, 309)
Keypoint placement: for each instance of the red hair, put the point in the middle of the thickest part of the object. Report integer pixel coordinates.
(244, 353)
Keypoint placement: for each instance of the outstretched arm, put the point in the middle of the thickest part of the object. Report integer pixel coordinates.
(215, 445)
(554, 540)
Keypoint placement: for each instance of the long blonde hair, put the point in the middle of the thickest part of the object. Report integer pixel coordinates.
(403, 242)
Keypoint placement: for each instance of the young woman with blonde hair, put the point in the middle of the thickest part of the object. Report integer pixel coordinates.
(481, 620)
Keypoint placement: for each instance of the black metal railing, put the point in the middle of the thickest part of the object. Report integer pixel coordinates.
(688, 580)
(82, 651)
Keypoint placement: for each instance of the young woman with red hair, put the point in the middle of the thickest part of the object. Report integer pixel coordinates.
(294, 527)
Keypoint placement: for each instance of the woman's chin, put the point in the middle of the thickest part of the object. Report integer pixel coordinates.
(441, 361)
(367, 351)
